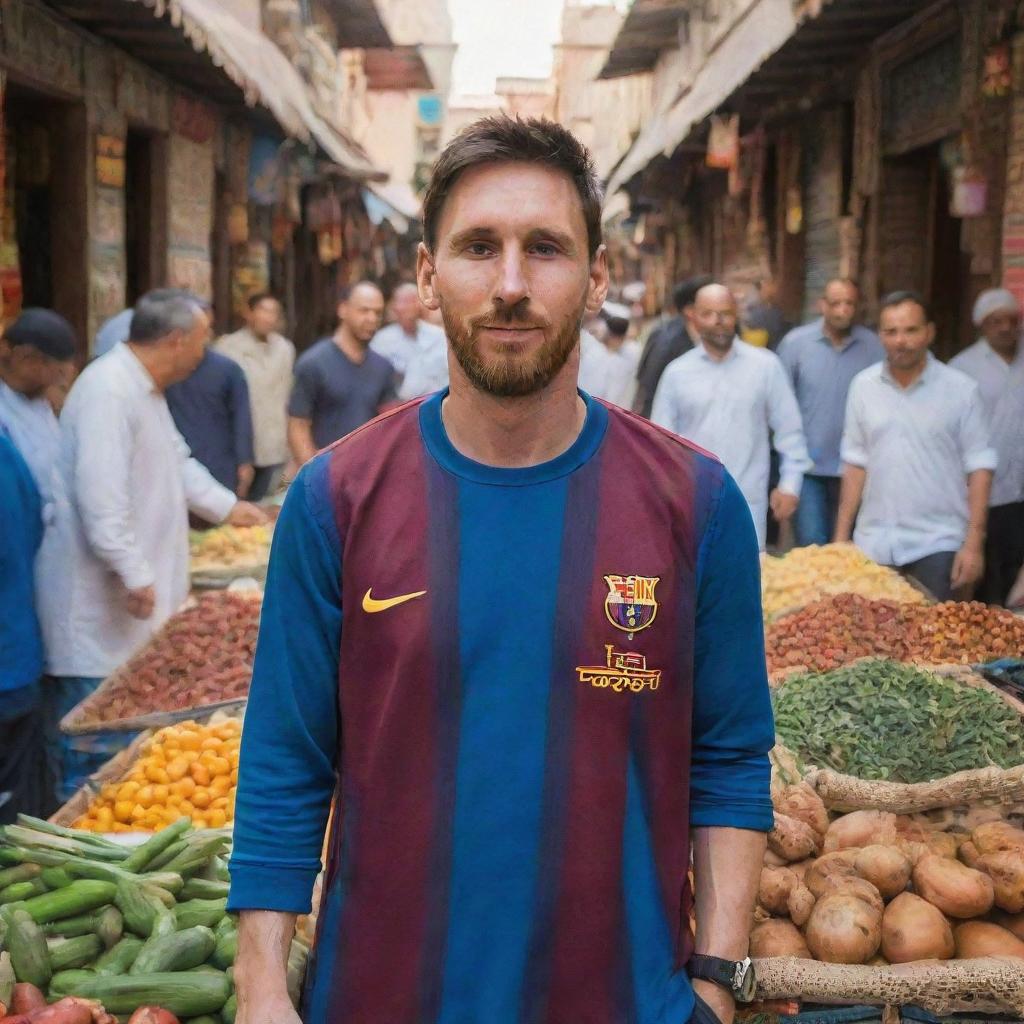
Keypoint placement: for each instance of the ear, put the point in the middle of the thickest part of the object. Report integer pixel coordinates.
(931, 333)
(597, 285)
(425, 278)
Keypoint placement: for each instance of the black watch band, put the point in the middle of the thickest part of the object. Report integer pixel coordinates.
(735, 976)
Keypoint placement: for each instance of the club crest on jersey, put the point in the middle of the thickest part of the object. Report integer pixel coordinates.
(623, 670)
(630, 604)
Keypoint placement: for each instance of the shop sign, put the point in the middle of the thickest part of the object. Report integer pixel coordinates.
(110, 161)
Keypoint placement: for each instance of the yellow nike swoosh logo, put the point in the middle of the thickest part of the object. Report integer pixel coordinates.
(372, 605)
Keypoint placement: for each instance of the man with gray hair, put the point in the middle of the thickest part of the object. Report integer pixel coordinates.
(996, 362)
(114, 563)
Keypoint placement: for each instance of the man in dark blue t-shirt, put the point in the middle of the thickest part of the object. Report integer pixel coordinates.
(339, 383)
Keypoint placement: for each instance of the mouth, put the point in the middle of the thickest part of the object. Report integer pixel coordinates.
(510, 334)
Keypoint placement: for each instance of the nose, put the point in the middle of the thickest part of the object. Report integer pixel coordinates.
(512, 286)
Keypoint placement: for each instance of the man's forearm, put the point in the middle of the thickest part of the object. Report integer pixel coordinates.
(261, 966)
(300, 439)
(979, 490)
(726, 871)
(850, 493)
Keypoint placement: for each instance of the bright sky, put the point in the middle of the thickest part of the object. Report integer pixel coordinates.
(502, 38)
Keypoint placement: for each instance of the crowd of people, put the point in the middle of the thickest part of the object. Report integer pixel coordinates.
(831, 430)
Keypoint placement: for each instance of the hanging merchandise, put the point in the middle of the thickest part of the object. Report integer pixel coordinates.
(238, 224)
(281, 231)
(997, 76)
(794, 210)
(969, 193)
(724, 142)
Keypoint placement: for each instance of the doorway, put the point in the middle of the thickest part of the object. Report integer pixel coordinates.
(145, 208)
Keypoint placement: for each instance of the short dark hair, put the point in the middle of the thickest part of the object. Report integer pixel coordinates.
(685, 293)
(346, 290)
(846, 282)
(504, 139)
(163, 310)
(899, 298)
(254, 300)
(45, 331)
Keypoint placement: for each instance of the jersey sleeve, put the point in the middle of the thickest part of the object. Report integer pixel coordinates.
(733, 728)
(287, 771)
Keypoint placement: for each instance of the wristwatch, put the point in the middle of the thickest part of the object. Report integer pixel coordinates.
(735, 976)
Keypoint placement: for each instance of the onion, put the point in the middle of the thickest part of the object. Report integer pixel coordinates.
(912, 929)
(954, 888)
(843, 930)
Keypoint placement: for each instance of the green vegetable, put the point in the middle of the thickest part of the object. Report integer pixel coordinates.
(22, 891)
(175, 952)
(186, 994)
(56, 878)
(230, 1010)
(19, 873)
(119, 958)
(204, 889)
(144, 854)
(27, 946)
(879, 719)
(165, 923)
(69, 927)
(110, 927)
(169, 881)
(228, 923)
(65, 983)
(167, 855)
(207, 912)
(226, 949)
(77, 898)
(206, 969)
(138, 908)
(78, 952)
(64, 841)
(205, 1019)
(7, 979)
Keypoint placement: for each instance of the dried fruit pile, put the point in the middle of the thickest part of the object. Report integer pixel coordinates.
(885, 720)
(876, 888)
(808, 574)
(837, 630)
(187, 769)
(202, 655)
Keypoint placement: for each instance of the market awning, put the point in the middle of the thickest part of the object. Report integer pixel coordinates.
(358, 23)
(198, 43)
(755, 36)
(649, 27)
(401, 67)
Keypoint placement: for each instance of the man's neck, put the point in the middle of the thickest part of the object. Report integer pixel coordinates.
(6, 378)
(717, 353)
(263, 338)
(1007, 355)
(411, 333)
(350, 345)
(153, 363)
(837, 338)
(514, 433)
(907, 377)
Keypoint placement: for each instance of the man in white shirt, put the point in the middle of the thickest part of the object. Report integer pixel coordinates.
(917, 460)
(114, 564)
(996, 363)
(608, 364)
(727, 396)
(267, 359)
(35, 352)
(408, 336)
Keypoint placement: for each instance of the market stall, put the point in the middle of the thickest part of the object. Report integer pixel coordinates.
(226, 553)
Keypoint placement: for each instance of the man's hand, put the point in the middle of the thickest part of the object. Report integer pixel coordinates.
(261, 978)
(140, 602)
(1016, 598)
(968, 565)
(277, 1010)
(246, 475)
(245, 513)
(783, 504)
(720, 1001)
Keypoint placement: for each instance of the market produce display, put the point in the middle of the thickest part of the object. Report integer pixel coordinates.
(882, 719)
(229, 547)
(808, 574)
(110, 930)
(186, 769)
(202, 655)
(872, 887)
(838, 630)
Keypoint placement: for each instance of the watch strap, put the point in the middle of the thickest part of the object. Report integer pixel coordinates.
(735, 976)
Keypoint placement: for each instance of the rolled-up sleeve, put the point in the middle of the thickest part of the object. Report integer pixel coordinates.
(733, 728)
(287, 772)
(976, 447)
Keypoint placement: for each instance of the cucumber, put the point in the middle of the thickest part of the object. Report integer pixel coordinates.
(205, 1019)
(225, 950)
(27, 946)
(110, 926)
(196, 912)
(164, 923)
(65, 983)
(70, 927)
(167, 855)
(230, 1009)
(118, 959)
(76, 899)
(206, 969)
(66, 954)
(7, 979)
(228, 923)
(149, 850)
(176, 952)
(185, 995)
(20, 873)
(137, 907)
(56, 878)
(204, 889)
(171, 881)
(21, 891)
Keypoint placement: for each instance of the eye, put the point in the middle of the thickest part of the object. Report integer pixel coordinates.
(478, 248)
(545, 249)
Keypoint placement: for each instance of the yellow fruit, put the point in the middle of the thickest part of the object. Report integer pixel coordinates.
(123, 810)
(217, 818)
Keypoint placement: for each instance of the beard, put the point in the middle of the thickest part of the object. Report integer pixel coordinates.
(510, 374)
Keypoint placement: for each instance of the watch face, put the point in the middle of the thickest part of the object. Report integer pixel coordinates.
(745, 982)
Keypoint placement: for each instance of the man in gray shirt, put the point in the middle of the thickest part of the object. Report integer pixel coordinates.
(821, 359)
(339, 383)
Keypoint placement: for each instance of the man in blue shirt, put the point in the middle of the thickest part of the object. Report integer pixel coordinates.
(822, 358)
(211, 411)
(24, 783)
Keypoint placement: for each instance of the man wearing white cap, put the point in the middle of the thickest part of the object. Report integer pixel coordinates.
(608, 365)
(996, 362)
